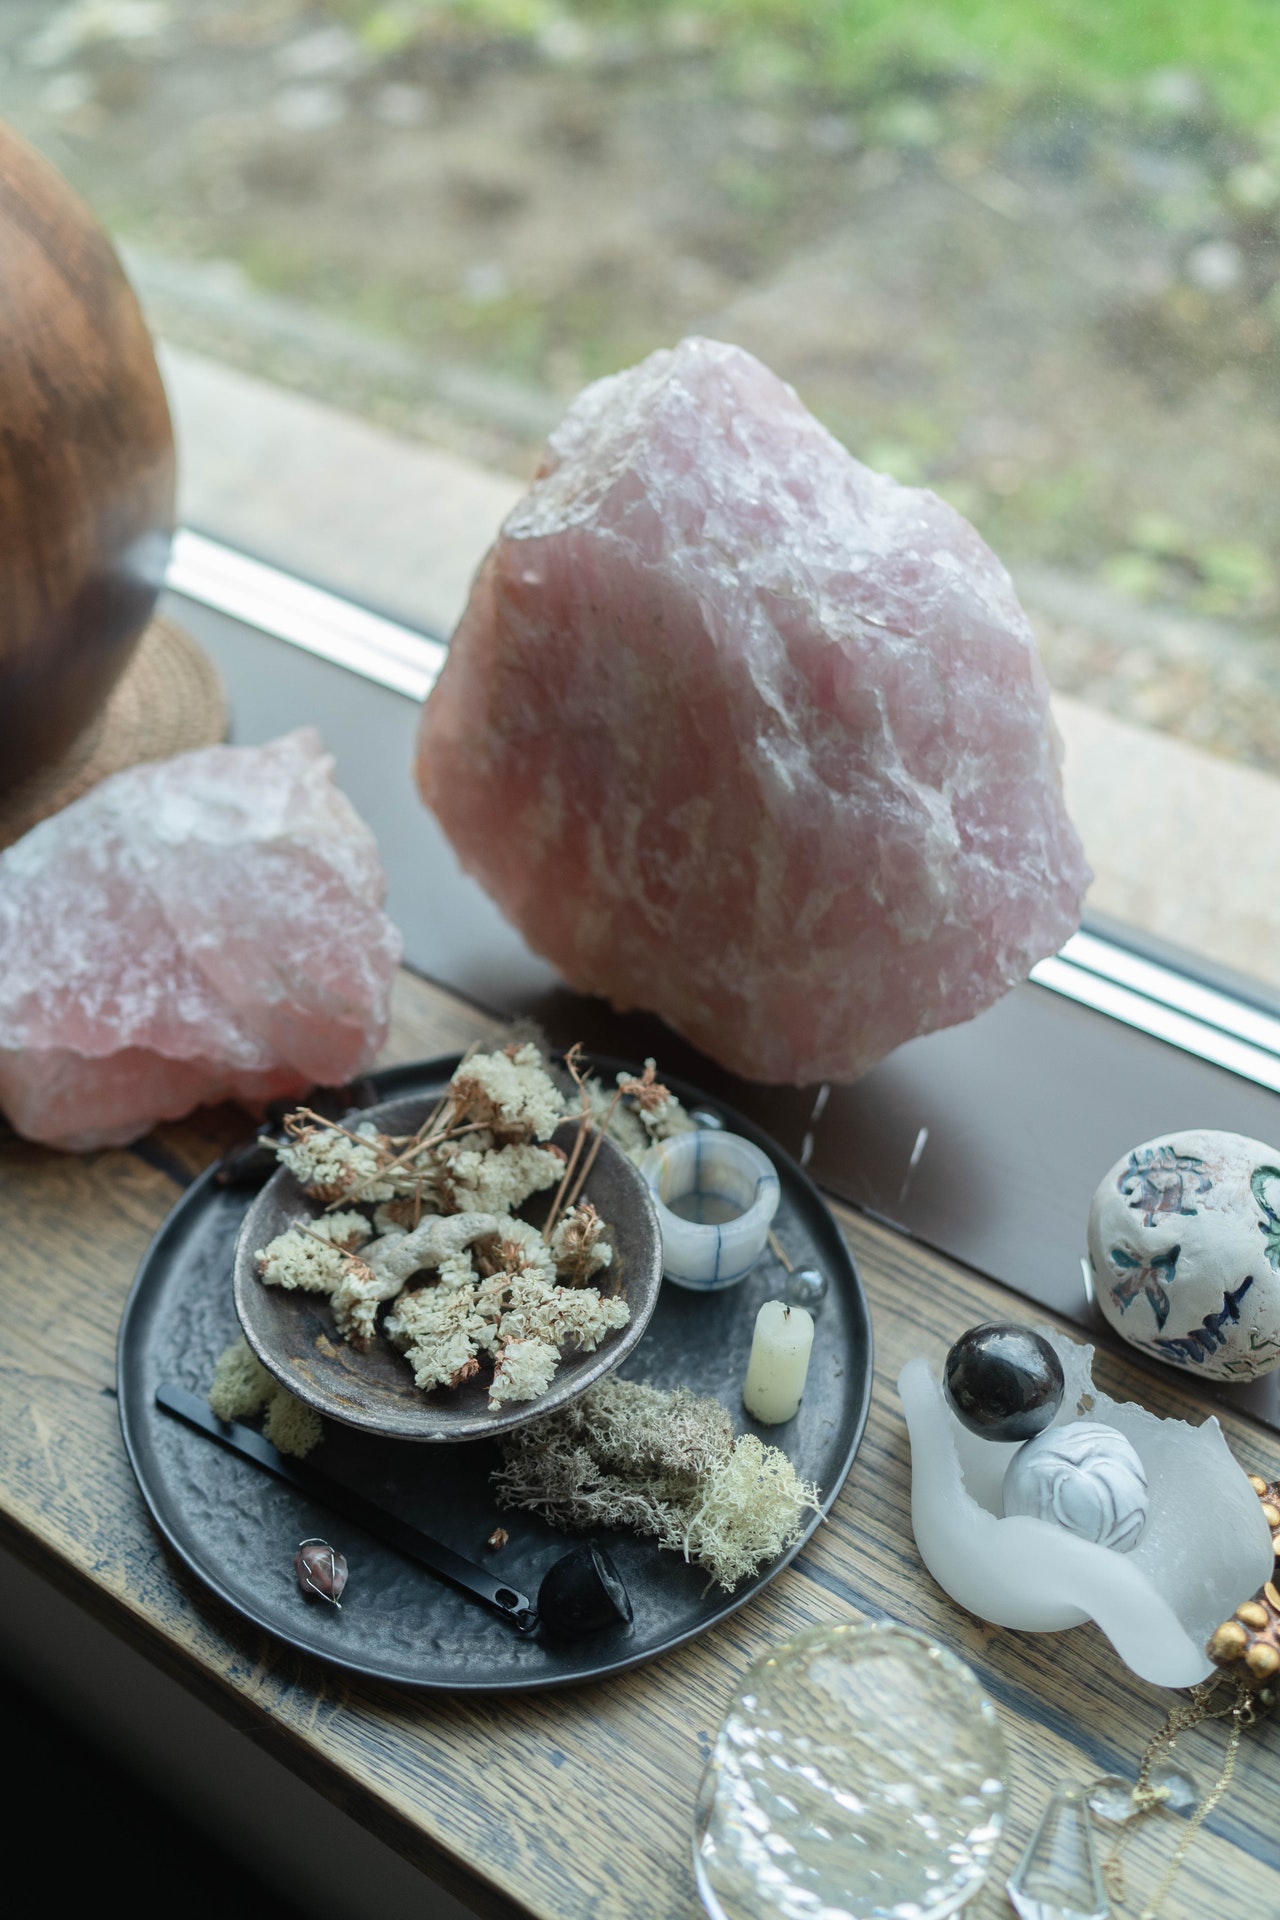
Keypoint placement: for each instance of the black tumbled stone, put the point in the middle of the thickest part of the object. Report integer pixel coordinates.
(583, 1593)
(1003, 1382)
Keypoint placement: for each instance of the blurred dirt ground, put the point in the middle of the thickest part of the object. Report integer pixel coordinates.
(1061, 308)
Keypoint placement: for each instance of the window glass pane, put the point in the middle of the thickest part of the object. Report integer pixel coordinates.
(1026, 252)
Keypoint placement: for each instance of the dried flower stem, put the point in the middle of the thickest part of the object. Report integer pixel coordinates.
(318, 1119)
(600, 1132)
(416, 1146)
(775, 1248)
(573, 1061)
(333, 1246)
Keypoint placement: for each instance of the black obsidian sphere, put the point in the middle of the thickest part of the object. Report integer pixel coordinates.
(1003, 1382)
(583, 1593)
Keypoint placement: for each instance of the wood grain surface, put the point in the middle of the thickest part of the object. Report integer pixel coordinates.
(86, 466)
(576, 1804)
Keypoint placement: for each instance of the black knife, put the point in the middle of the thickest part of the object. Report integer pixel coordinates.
(447, 1565)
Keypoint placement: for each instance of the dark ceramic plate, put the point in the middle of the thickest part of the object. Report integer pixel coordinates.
(294, 1336)
(236, 1528)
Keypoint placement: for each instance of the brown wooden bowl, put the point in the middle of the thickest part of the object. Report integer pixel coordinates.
(86, 466)
(295, 1337)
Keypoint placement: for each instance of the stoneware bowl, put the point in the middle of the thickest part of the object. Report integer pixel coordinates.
(294, 1336)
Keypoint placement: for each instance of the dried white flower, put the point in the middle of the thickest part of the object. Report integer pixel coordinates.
(561, 1316)
(578, 1244)
(466, 1276)
(510, 1092)
(647, 1112)
(440, 1333)
(517, 1248)
(497, 1181)
(525, 1369)
(457, 1270)
(331, 1164)
(312, 1257)
(357, 1297)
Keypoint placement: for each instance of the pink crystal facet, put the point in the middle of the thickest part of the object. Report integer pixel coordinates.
(739, 731)
(204, 928)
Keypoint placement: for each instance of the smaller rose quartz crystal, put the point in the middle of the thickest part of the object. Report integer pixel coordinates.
(204, 928)
(739, 731)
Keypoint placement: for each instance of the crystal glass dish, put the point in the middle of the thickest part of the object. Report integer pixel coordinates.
(858, 1775)
(716, 1196)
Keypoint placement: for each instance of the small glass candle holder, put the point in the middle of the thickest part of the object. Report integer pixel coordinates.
(716, 1195)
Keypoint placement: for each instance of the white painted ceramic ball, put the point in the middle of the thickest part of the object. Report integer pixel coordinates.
(1084, 1477)
(1184, 1247)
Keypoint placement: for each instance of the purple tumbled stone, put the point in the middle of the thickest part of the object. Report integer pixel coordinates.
(739, 731)
(204, 928)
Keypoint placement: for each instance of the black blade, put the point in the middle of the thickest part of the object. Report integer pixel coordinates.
(375, 1520)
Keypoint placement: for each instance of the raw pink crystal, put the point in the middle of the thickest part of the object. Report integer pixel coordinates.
(739, 731)
(204, 928)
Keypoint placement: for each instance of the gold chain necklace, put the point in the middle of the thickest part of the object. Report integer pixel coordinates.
(1241, 1708)
(1246, 1652)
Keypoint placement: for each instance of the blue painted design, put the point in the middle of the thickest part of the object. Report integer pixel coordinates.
(1146, 1278)
(1269, 1225)
(1159, 1180)
(715, 1271)
(1208, 1336)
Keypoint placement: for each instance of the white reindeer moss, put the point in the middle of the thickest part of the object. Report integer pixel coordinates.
(664, 1464)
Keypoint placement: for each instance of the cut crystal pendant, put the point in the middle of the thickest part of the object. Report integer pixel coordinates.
(1111, 1799)
(858, 1773)
(1058, 1877)
(1177, 1790)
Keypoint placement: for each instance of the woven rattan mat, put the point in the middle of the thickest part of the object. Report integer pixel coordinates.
(168, 699)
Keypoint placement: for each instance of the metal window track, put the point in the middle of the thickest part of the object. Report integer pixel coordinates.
(289, 609)
(1100, 973)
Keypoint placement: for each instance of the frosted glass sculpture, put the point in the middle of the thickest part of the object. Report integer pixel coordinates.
(1206, 1546)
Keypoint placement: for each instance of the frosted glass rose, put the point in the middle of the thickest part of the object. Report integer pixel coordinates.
(1084, 1477)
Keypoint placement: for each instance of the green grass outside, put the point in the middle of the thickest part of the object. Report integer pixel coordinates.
(1106, 48)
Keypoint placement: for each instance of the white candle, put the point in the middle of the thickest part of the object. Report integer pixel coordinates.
(779, 1362)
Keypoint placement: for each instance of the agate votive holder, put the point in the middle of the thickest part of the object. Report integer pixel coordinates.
(716, 1196)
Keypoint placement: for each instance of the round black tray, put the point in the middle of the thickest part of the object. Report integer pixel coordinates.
(236, 1527)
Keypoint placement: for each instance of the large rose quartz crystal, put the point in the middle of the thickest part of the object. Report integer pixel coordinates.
(739, 731)
(208, 927)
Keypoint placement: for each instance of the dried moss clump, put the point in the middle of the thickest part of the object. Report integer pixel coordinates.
(241, 1384)
(242, 1387)
(665, 1464)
